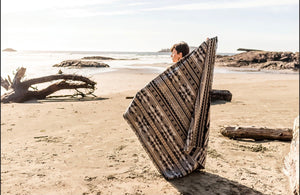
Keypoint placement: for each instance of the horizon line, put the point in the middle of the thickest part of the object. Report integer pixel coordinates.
(35, 50)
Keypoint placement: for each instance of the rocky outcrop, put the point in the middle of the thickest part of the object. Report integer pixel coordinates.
(80, 63)
(261, 60)
(245, 49)
(164, 50)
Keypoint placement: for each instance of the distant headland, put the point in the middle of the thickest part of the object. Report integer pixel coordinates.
(9, 50)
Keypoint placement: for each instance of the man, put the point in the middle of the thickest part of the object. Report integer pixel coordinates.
(170, 115)
(179, 50)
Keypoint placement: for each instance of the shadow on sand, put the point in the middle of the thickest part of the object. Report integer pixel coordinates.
(216, 102)
(200, 182)
(67, 99)
(249, 140)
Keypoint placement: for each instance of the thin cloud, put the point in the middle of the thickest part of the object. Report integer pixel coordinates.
(9, 6)
(133, 8)
(81, 13)
(226, 5)
(86, 8)
(139, 3)
(71, 8)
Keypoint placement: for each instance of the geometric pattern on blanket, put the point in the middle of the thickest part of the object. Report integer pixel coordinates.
(170, 115)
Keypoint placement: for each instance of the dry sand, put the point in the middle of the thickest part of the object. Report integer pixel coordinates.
(86, 147)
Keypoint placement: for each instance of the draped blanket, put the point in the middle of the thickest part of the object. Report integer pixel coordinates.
(170, 115)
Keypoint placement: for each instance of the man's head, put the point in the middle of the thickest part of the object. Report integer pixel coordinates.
(179, 50)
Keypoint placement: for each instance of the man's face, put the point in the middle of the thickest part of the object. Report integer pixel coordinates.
(176, 56)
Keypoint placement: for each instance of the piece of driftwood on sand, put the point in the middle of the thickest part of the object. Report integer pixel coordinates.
(19, 90)
(291, 162)
(216, 95)
(258, 133)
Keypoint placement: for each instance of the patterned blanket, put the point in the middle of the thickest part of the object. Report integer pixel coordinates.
(170, 115)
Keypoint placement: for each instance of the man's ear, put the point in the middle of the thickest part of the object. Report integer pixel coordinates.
(180, 55)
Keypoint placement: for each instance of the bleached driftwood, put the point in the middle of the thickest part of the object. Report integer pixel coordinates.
(259, 133)
(19, 90)
(291, 162)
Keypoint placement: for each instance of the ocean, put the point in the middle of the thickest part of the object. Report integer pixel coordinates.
(40, 63)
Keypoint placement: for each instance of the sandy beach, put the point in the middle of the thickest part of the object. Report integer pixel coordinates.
(67, 146)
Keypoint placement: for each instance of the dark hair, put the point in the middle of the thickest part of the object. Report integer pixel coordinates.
(181, 47)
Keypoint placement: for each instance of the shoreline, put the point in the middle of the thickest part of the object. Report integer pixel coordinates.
(144, 75)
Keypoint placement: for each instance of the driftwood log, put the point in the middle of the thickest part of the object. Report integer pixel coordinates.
(224, 95)
(259, 133)
(216, 95)
(291, 162)
(19, 90)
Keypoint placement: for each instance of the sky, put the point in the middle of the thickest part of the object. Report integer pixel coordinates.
(140, 25)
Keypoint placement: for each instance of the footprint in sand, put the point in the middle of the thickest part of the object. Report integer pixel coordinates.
(121, 147)
(110, 177)
(87, 178)
(49, 139)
